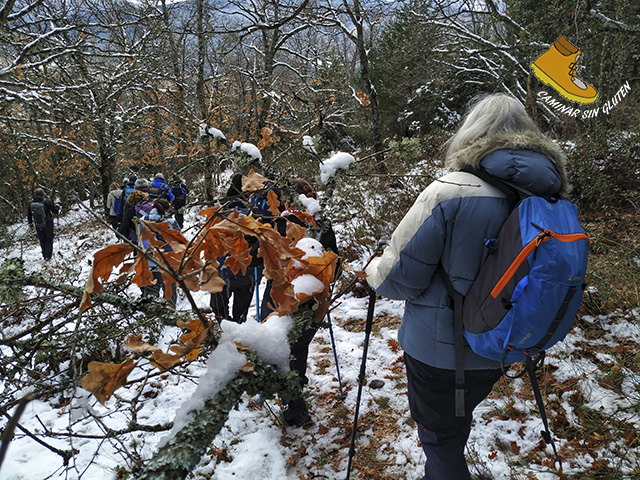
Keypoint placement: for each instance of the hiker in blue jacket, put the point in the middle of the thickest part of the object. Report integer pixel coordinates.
(159, 189)
(447, 228)
(179, 191)
(40, 215)
(128, 186)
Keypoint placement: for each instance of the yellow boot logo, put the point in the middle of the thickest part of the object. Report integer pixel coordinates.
(559, 67)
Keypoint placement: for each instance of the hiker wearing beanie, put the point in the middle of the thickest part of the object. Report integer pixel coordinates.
(142, 185)
(40, 215)
(444, 233)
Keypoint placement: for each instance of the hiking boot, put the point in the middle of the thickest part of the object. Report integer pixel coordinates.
(296, 414)
(559, 67)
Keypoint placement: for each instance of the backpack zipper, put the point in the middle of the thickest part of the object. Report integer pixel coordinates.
(528, 249)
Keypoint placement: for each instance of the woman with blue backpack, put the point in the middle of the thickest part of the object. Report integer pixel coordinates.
(113, 204)
(179, 191)
(443, 236)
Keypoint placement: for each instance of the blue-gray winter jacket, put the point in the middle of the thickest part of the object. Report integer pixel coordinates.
(450, 223)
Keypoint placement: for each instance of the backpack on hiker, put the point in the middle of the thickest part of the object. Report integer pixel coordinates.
(260, 202)
(126, 191)
(159, 189)
(180, 196)
(529, 289)
(143, 208)
(38, 214)
(116, 204)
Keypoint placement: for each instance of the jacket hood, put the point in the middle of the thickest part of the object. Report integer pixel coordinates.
(548, 152)
(530, 171)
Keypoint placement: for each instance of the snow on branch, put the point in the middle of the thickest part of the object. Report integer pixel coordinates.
(339, 161)
(248, 148)
(614, 24)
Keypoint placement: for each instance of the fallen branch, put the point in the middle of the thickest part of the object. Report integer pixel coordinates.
(183, 452)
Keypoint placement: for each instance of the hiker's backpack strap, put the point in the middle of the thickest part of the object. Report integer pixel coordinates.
(458, 334)
(546, 434)
(514, 194)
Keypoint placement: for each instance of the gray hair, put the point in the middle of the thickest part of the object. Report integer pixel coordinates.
(491, 116)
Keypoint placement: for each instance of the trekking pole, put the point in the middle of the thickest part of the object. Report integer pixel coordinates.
(363, 366)
(58, 225)
(255, 272)
(335, 355)
(257, 295)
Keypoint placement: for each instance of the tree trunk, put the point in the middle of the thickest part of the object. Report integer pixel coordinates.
(361, 47)
(202, 103)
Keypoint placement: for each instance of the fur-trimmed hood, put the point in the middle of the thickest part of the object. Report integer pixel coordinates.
(472, 155)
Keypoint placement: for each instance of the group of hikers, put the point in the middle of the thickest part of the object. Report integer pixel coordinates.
(118, 200)
(136, 198)
(240, 287)
(440, 240)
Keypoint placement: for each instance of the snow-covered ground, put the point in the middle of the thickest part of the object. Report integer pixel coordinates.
(254, 443)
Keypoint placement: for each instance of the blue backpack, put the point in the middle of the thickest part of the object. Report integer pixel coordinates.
(259, 202)
(529, 288)
(528, 291)
(116, 205)
(130, 187)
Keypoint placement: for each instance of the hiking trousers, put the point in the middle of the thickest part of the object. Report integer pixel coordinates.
(45, 236)
(242, 296)
(431, 393)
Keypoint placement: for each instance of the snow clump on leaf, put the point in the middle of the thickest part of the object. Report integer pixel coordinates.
(311, 204)
(307, 285)
(311, 247)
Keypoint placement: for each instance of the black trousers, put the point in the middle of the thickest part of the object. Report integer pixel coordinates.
(300, 352)
(154, 290)
(179, 216)
(432, 404)
(242, 296)
(45, 236)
